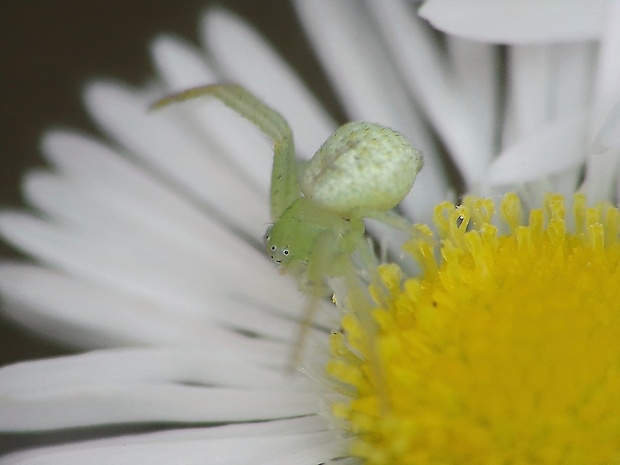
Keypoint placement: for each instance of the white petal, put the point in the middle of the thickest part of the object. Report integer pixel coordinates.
(475, 67)
(128, 243)
(108, 194)
(354, 60)
(92, 316)
(127, 314)
(145, 386)
(246, 58)
(425, 68)
(262, 444)
(572, 77)
(547, 82)
(193, 366)
(607, 86)
(518, 21)
(181, 64)
(164, 140)
(602, 179)
(553, 148)
(121, 215)
(136, 237)
(564, 182)
(139, 269)
(609, 134)
(601, 182)
(530, 85)
(184, 67)
(367, 83)
(107, 404)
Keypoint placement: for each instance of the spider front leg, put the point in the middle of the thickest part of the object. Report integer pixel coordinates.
(284, 175)
(329, 257)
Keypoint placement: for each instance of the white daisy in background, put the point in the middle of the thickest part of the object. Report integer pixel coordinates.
(147, 247)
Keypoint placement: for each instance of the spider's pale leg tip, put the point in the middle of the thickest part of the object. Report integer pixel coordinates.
(159, 104)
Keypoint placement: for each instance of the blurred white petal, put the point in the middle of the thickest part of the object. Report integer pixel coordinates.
(478, 86)
(355, 61)
(603, 167)
(547, 82)
(88, 315)
(607, 84)
(609, 134)
(275, 442)
(552, 148)
(171, 147)
(103, 403)
(183, 67)
(246, 58)
(429, 76)
(518, 21)
(142, 365)
(180, 64)
(359, 66)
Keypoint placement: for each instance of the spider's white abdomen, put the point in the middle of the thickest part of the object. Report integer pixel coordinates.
(361, 166)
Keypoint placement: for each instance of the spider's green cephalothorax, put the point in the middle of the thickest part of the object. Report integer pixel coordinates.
(293, 240)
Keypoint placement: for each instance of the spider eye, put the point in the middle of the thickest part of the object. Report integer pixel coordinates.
(285, 252)
(267, 235)
(273, 248)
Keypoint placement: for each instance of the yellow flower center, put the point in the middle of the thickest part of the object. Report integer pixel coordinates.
(504, 350)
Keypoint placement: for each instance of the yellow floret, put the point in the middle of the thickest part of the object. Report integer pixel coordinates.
(505, 350)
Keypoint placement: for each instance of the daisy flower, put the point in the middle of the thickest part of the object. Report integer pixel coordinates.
(491, 339)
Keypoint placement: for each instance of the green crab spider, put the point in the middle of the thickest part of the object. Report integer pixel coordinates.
(362, 171)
